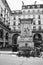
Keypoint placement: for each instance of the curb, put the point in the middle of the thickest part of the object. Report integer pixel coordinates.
(8, 52)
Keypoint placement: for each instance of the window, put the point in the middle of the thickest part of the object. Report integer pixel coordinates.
(39, 22)
(33, 11)
(34, 27)
(1, 33)
(34, 23)
(6, 37)
(38, 11)
(14, 18)
(28, 11)
(42, 11)
(38, 6)
(39, 27)
(38, 16)
(1, 14)
(1, 11)
(18, 23)
(24, 12)
(5, 10)
(14, 23)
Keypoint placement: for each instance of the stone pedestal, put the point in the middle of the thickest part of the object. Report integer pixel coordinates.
(26, 34)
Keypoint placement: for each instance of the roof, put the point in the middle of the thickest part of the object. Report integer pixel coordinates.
(6, 5)
(32, 6)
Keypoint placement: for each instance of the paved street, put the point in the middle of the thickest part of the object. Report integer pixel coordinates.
(7, 59)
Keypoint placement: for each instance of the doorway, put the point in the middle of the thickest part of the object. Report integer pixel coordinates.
(37, 38)
(14, 42)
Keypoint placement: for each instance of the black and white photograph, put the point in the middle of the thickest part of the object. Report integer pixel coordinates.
(21, 32)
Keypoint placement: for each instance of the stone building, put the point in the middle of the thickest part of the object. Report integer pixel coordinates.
(5, 13)
(21, 27)
(6, 33)
(29, 20)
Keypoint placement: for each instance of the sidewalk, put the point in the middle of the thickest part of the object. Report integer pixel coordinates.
(8, 52)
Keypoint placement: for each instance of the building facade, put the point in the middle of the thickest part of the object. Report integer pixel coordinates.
(29, 20)
(21, 27)
(5, 13)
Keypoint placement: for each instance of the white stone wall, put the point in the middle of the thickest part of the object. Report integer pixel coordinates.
(5, 14)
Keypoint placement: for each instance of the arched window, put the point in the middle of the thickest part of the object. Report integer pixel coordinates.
(6, 37)
(1, 33)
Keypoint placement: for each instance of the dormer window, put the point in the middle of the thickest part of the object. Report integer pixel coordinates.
(24, 12)
(33, 6)
(38, 6)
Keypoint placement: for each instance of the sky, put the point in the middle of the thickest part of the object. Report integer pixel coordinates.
(17, 4)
